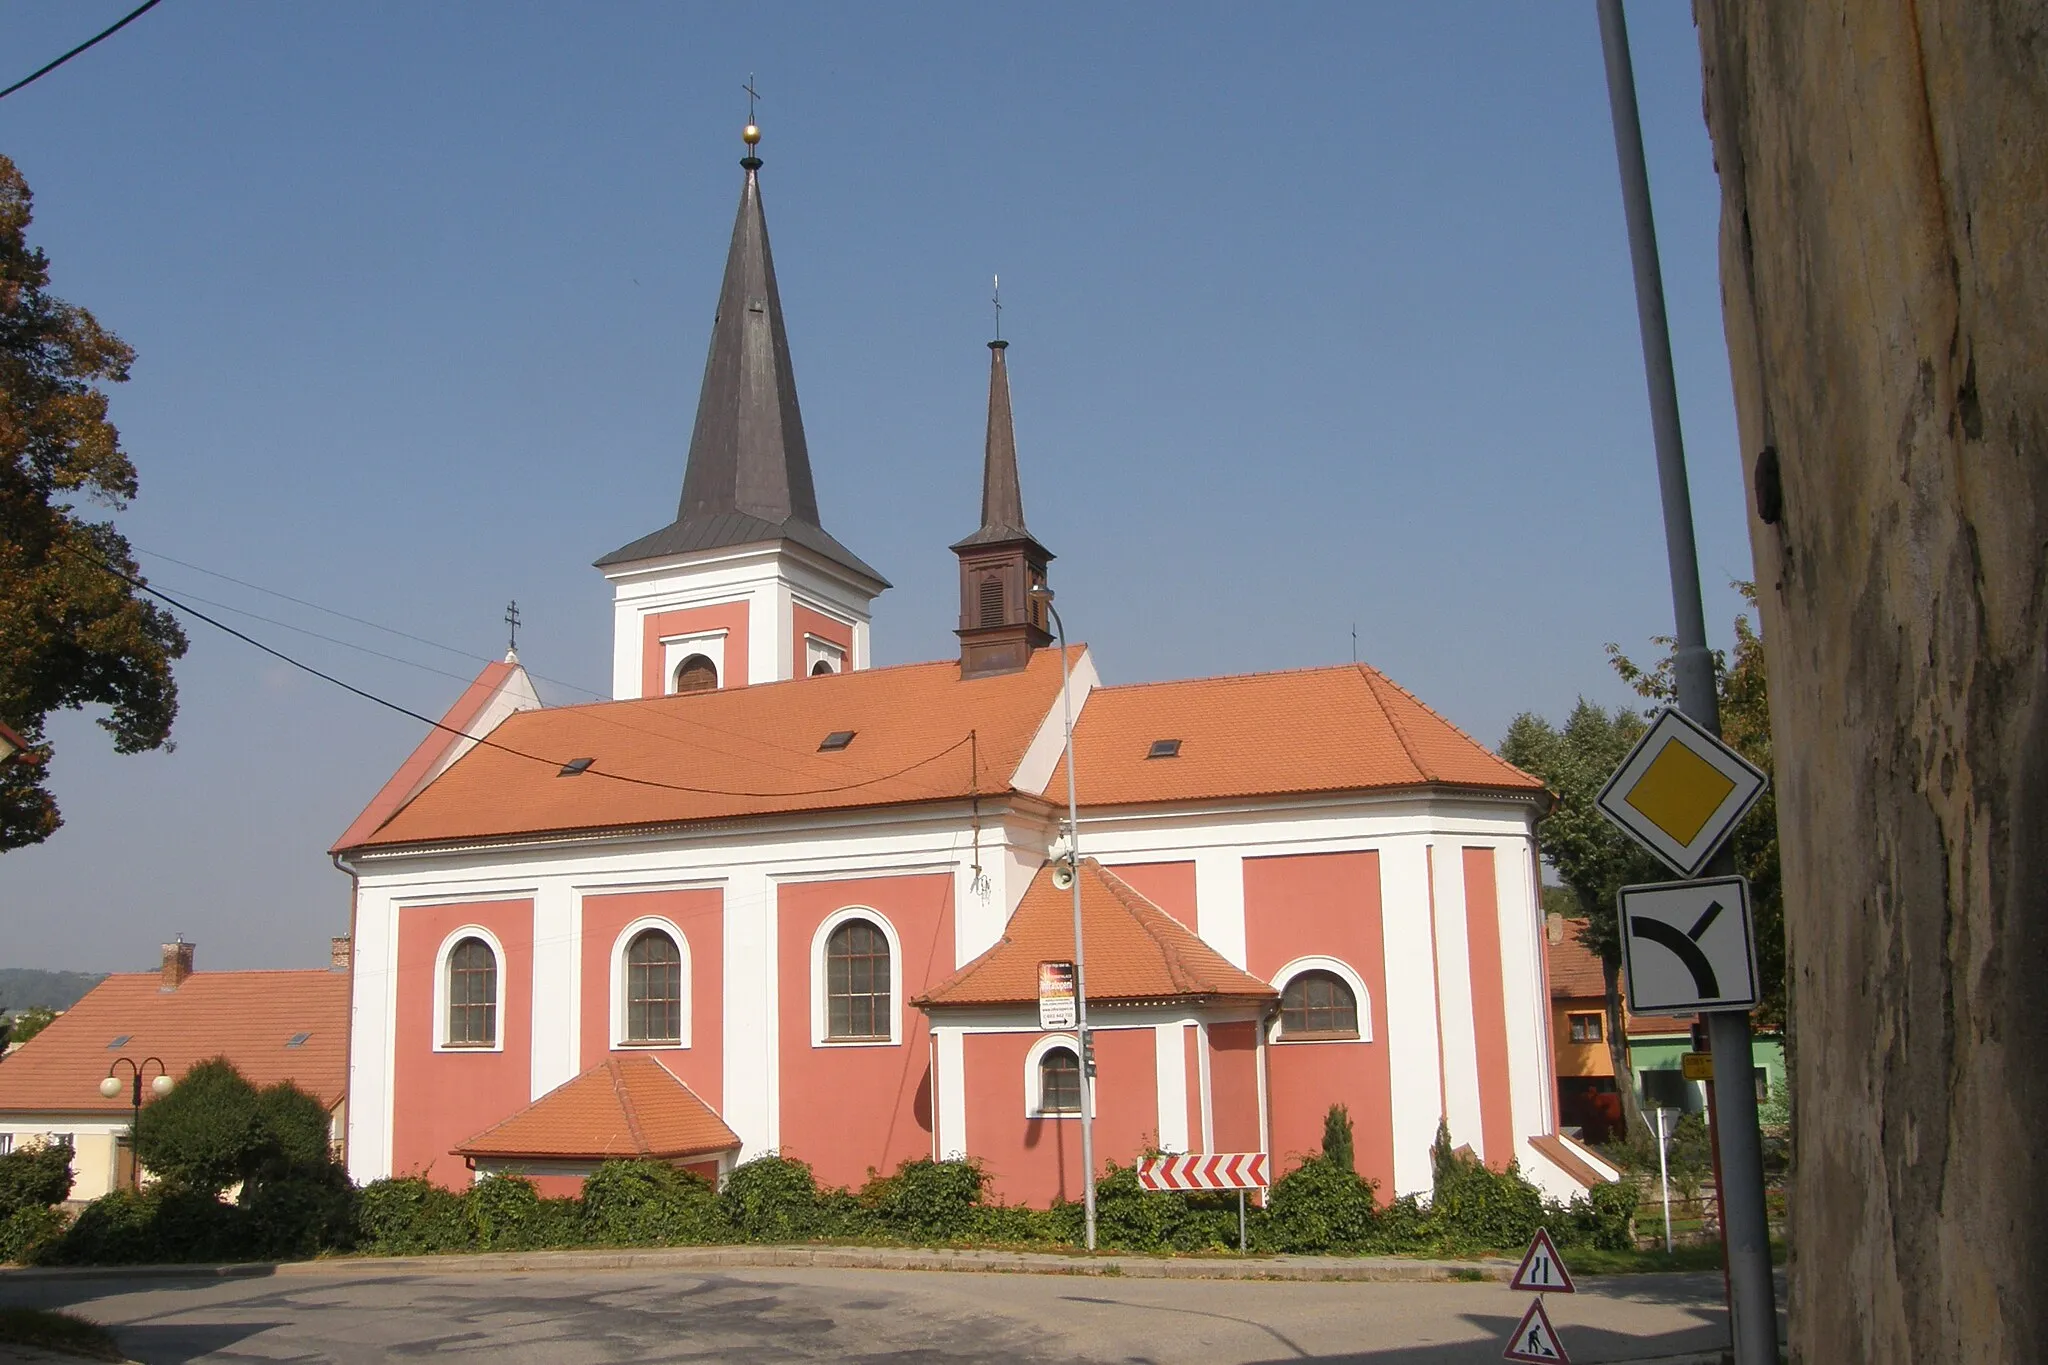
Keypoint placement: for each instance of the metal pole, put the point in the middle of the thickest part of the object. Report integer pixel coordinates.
(1241, 1247)
(1664, 1178)
(1080, 962)
(1752, 1307)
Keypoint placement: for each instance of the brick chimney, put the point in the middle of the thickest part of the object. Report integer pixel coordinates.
(340, 951)
(1555, 925)
(177, 963)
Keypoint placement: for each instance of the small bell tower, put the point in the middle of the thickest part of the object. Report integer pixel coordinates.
(1001, 623)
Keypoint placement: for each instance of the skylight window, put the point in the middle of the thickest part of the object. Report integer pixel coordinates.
(297, 1040)
(122, 1041)
(836, 741)
(1164, 748)
(576, 767)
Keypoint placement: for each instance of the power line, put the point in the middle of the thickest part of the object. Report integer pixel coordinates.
(127, 19)
(557, 764)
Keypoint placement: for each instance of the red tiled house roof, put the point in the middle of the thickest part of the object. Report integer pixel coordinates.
(1136, 951)
(248, 1017)
(629, 1106)
(1324, 729)
(1575, 974)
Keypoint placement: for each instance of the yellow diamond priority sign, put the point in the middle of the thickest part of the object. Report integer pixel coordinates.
(1680, 792)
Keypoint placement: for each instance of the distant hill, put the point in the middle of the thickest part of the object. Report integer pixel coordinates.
(22, 987)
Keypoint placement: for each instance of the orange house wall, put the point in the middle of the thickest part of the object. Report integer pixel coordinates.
(804, 621)
(1328, 905)
(730, 617)
(700, 916)
(1035, 1161)
(1170, 886)
(1234, 1086)
(847, 1107)
(1489, 1009)
(441, 1098)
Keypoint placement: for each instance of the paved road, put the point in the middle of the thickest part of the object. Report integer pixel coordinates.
(897, 1317)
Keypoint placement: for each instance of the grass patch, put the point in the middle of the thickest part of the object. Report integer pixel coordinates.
(1469, 1276)
(1704, 1256)
(57, 1332)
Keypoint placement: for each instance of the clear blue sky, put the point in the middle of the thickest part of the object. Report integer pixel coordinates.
(1321, 315)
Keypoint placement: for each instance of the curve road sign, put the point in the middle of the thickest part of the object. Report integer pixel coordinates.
(1688, 947)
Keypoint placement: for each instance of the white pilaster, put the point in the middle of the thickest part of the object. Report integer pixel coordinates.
(949, 1075)
(1219, 901)
(373, 1015)
(1411, 1009)
(555, 923)
(752, 1085)
(1527, 994)
(1454, 988)
(1170, 1065)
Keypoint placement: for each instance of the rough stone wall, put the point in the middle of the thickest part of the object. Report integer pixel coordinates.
(1884, 260)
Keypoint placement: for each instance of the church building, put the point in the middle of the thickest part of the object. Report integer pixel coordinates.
(771, 898)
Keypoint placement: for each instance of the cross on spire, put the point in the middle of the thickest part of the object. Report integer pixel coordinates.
(752, 95)
(512, 622)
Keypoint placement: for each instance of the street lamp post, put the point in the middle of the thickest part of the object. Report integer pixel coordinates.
(160, 1087)
(1044, 595)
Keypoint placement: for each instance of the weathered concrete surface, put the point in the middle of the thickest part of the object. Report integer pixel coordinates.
(1884, 171)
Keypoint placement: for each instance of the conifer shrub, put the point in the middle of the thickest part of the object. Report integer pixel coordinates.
(651, 1203)
(1337, 1135)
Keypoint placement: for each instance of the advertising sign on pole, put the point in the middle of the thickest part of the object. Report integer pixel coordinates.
(1056, 995)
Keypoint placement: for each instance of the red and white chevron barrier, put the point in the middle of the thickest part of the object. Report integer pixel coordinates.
(1204, 1171)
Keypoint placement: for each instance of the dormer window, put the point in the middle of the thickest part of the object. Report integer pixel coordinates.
(1164, 748)
(835, 741)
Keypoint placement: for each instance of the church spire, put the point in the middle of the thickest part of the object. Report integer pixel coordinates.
(1000, 622)
(748, 478)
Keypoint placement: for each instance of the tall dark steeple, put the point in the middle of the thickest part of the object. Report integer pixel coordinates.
(1000, 622)
(749, 474)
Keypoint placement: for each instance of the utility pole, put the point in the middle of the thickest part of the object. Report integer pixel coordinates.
(1752, 1308)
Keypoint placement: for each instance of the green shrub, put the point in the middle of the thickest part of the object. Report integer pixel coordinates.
(650, 1203)
(215, 1130)
(299, 1216)
(1337, 1138)
(1020, 1224)
(410, 1216)
(501, 1210)
(159, 1225)
(926, 1200)
(1129, 1217)
(775, 1199)
(24, 1232)
(35, 1177)
(1473, 1208)
(1321, 1206)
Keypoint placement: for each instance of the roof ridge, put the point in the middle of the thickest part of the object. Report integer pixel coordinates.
(1453, 726)
(1302, 671)
(1366, 673)
(619, 1093)
(1169, 934)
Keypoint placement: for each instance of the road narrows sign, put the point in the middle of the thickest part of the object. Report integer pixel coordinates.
(1535, 1339)
(1688, 947)
(1680, 792)
(1542, 1270)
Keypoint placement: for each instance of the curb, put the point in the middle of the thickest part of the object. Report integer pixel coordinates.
(1296, 1268)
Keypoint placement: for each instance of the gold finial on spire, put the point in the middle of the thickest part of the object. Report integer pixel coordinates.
(751, 134)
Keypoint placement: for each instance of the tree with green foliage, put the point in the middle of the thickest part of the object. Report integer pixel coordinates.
(215, 1130)
(25, 1024)
(1337, 1135)
(1590, 855)
(71, 634)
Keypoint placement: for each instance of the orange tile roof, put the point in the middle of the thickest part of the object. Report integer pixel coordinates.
(739, 751)
(626, 1106)
(247, 1017)
(421, 761)
(1344, 728)
(1135, 950)
(1575, 971)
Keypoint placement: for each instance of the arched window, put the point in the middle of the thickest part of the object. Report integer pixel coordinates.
(472, 995)
(857, 981)
(1059, 1081)
(696, 674)
(821, 668)
(654, 989)
(1318, 1004)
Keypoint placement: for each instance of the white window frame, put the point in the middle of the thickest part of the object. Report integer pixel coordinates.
(620, 1043)
(1343, 972)
(1034, 1097)
(817, 649)
(821, 1010)
(676, 648)
(447, 949)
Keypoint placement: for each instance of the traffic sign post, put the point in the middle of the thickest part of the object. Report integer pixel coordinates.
(1688, 947)
(1681, 792)
(1238, 1171)
(1541, 1272)
(1536, 1340)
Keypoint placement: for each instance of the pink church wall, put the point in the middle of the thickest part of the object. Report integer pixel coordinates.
(1327, 905)
(1170, 886)
(700, 917)
(804, 621)
(1489, 1008)
(1234, 1086)
(847, 1107)
(1035, 1161)
(730, 617)
(441, 1098)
